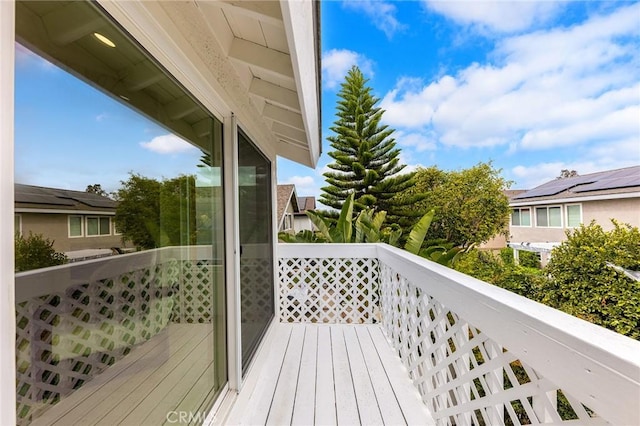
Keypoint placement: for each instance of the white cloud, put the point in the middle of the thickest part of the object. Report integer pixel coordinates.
(101, 117)
(168, 144)
(381, 13)
(419, 141)
(560, 87)
(496, 16)
(337, 62)
(610, 158)
(25, 57)
(305, 185)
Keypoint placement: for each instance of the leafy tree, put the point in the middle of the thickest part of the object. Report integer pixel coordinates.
(153, 214)
(470, 205)
(368, 227)
(584, 285)
(566, 173)
(35, 251)
(97, 189)
(365, 159)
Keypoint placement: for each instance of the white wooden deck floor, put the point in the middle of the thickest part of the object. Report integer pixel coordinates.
(173, 371)
(308, 374)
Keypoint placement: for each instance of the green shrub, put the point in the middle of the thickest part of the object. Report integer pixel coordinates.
(585, 286)
(35, 252)
(500, 270)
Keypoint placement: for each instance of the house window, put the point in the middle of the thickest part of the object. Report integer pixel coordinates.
(17, 224)
(521, 217)
(288, 221)
(549, 217)
(98, 226)
(574, 215)
(75, 226)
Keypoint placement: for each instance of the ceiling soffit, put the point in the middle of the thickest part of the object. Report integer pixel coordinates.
(253, 37)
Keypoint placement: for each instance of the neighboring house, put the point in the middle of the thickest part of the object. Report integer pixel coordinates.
(300, 219)
(540, 217)
(79, 223)
(292, 210)
(287, 208)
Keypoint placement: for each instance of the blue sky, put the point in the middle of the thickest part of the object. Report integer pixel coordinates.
(67, 132)
(535, 87)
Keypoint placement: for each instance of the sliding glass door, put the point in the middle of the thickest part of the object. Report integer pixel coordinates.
(256, 248)
(118, 176)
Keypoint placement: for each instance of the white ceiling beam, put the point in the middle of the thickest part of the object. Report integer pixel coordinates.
(284, 116)
(294, 152)
(256, 55)
(142, 75)
(180, 108)
(290, 132)
(71, 22)
(275, 94)
(265, 11)
(202, 128)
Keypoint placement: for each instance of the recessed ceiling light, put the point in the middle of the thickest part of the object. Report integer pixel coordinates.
(104, 40)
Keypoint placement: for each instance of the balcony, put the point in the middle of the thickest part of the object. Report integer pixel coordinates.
(363, 334)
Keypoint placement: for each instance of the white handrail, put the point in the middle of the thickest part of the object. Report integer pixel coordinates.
(55, 279)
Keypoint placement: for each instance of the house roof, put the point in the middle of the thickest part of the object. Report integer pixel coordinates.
(614, 183)
(42, 198)
(306, 203)
(286, 194)
(511, 193)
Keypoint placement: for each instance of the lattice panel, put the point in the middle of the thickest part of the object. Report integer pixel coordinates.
(328, 290)
(256, 290)
(194, 300)
(464, 377)
(66, 339)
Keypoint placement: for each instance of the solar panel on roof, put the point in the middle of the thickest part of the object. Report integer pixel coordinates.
(42, 199)
(621, 178)
(552, 188)
(95, 202)
(620, 182)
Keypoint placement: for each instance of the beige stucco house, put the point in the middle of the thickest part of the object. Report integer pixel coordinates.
(541, 217)
(80, 224)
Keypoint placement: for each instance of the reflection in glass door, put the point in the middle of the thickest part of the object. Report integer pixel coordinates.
(256, 254)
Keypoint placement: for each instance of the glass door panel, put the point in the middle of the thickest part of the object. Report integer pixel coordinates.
(121, 178)
(256, 248)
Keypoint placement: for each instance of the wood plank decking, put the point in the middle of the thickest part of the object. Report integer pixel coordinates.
(173, 371)
(308, 374)
(304, 374)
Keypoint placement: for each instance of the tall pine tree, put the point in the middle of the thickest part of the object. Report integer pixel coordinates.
(365, 157)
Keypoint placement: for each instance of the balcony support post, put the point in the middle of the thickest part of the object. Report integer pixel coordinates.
(7, 287)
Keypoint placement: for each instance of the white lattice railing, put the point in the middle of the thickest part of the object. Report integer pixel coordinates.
(332, 287)
(478, 354)
(73, 321)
